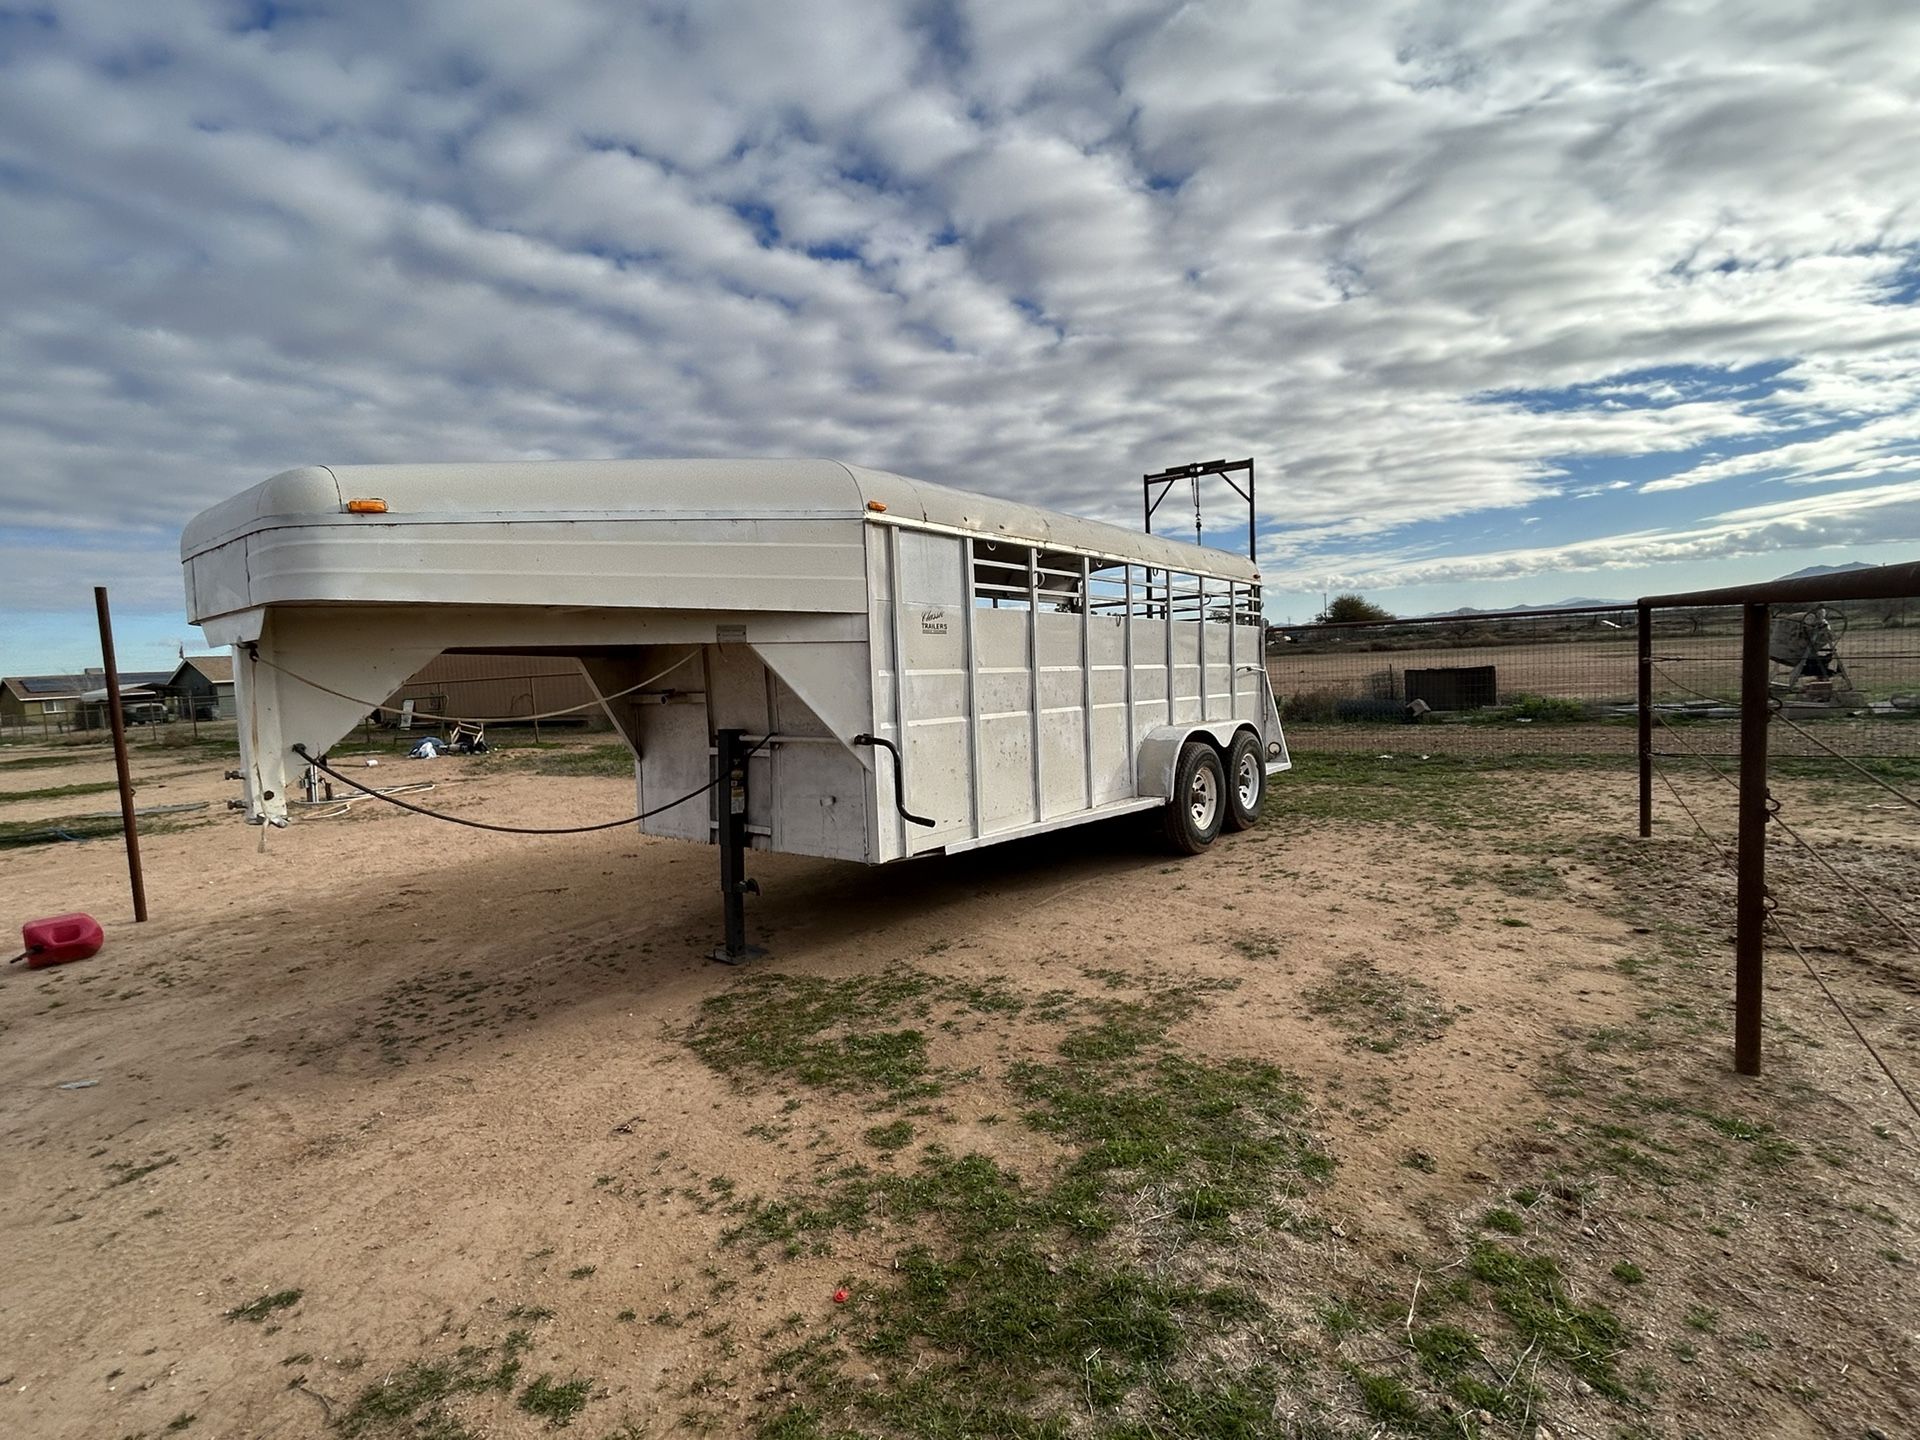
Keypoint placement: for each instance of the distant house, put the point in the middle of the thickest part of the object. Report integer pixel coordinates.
(68, 702)
(46, 701)
(201, 687)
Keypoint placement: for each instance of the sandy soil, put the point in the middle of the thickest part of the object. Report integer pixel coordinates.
(425, 1075)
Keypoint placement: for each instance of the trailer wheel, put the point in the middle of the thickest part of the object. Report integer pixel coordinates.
(1246, 782)
(1198, 805)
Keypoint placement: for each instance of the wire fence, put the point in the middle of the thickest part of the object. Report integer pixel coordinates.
(1564, 682)
(1807, 808)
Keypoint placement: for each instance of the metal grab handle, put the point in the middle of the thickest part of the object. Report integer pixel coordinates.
(899, 785)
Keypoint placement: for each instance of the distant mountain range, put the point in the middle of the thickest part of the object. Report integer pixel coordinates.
(1578, 602)
(1813, 570)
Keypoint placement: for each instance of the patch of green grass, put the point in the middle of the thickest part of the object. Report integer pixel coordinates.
(1003, 1299)
(1340, 1318)
(1237, 1408)
(889, 1137)
(581, 1272)
(1449, 792)
(1546, 709)
(1628, 1273)
(180, 1422)
(1503, 1220)
(1703, 1318)
(829, 1033)
(1454, 1361)
(1388, 1399)
(18, 834)
(58, 792)
(1380, 1012)
(1772, 1152)
(412, 1401)
(1257, 945)
(1010, 1309)
(1216, 1138)
(78, 755)
(556, 1403)
(1530, 1291)
(254, 1311)
(615, 761)
(1445, 1351)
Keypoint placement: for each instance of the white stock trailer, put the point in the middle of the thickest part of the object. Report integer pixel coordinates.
(804, 656)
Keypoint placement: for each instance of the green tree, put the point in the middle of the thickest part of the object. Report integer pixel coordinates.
(1346, 609)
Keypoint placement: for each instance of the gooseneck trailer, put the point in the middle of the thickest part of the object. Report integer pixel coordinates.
(804, 656)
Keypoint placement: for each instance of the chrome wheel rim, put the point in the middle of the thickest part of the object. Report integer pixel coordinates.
(1247, 781)
(1203, 798)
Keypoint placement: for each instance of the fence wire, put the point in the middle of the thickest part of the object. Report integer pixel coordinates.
(1564, 682)
(1815, 900)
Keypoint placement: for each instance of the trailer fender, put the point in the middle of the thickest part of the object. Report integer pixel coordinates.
(1160, 750)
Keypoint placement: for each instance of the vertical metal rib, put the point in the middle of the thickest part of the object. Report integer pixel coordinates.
(976, 807)
(1086, 668)
(899, 682)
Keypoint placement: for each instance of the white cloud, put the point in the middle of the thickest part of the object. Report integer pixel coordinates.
(1869, 516)
(1038, 249)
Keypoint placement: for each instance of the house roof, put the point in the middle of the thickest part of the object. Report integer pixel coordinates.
(216, 669)
(72, 687)
(47, 687)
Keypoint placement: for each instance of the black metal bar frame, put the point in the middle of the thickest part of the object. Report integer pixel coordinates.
(1196, 472)
(1878, 582)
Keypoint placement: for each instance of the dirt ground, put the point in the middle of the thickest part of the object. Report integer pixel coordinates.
(379, 1089)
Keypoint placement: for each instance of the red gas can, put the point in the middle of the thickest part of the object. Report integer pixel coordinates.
(60, 938)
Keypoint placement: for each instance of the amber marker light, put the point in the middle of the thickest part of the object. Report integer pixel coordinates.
(366, 507)
(879, 507)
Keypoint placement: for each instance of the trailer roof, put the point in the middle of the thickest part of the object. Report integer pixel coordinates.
(617, 489)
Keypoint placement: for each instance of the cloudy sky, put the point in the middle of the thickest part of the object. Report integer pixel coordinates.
(1510, 302)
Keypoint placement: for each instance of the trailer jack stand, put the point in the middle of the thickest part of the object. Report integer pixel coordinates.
(734, 884)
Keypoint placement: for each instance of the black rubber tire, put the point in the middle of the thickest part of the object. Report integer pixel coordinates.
(1198, 769)
(1245, 758)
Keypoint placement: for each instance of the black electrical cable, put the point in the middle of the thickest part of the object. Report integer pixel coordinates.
(326, 769)
(899, 783)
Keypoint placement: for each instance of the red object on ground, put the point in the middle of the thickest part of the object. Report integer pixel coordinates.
(840, 1297)
(61, 938)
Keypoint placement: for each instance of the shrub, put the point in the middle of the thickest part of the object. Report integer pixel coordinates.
(1546, 709)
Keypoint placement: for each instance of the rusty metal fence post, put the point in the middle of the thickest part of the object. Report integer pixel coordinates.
(1644, 666)
(1750, 902)
(120, 763)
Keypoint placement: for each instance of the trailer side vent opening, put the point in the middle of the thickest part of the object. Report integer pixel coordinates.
(803, 656)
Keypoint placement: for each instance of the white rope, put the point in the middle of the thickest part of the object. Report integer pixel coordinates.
(258, 659)
(328, 809)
